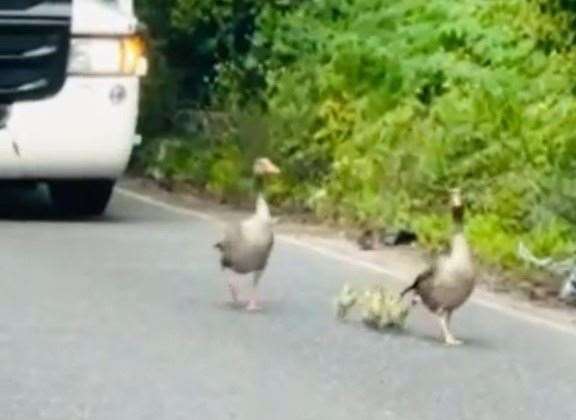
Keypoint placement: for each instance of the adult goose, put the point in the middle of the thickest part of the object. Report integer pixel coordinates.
(450, 280)
(246, 245)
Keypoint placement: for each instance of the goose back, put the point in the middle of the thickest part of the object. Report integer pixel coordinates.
(449, 282)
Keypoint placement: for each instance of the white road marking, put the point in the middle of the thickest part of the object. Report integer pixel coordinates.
(484, 301)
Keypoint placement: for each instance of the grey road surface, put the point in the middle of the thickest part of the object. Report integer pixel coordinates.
(125, 319)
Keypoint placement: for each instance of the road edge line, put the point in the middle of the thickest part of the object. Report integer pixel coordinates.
(479, 298)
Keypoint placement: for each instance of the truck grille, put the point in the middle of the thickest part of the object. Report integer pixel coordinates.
(34, 45)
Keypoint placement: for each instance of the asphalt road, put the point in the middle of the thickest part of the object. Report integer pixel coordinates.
(124, 319)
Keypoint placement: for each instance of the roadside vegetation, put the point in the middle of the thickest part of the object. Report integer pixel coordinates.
(374, 109)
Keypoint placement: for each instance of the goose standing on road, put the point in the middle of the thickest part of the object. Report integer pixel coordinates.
(247, 245)
(449, 282)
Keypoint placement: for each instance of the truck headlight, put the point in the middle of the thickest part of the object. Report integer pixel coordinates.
(108, 56)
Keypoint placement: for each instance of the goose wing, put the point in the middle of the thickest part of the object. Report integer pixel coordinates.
(232, 239)
(423, 277)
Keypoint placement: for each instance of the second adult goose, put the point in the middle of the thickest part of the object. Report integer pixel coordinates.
(247, 245)
(449, 282)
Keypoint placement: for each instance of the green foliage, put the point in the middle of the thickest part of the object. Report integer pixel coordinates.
(227, 175)
(375, 109)
(176, 159)
(402, 100)
(220, 170)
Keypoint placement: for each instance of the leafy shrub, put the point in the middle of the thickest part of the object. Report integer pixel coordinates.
(375, 108)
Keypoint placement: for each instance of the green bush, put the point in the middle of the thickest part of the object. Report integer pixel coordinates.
(376, 108)
(395, 102)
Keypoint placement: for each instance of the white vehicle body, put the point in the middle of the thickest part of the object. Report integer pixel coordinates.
(87, 130)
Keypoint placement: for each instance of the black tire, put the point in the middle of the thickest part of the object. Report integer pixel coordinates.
(82, 198)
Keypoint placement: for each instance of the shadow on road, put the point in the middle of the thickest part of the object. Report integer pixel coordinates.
(267, 307)
(424, 337)
(436, 340)
(32, 203)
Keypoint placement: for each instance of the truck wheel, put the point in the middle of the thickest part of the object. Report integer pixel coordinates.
(81, 198)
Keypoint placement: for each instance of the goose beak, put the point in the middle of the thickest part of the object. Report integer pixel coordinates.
(273, 169)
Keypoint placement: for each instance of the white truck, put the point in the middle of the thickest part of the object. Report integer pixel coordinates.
(79, 136)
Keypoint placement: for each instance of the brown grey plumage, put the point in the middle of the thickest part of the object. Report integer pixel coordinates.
(450, 280)
(247, 245)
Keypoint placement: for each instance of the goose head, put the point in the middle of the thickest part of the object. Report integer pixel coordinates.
(263, 166)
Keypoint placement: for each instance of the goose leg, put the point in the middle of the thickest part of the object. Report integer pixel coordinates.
(449, 339)
(253, 303)
(233, 286)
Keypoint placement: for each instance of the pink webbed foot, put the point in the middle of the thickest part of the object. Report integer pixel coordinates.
(253, 306)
